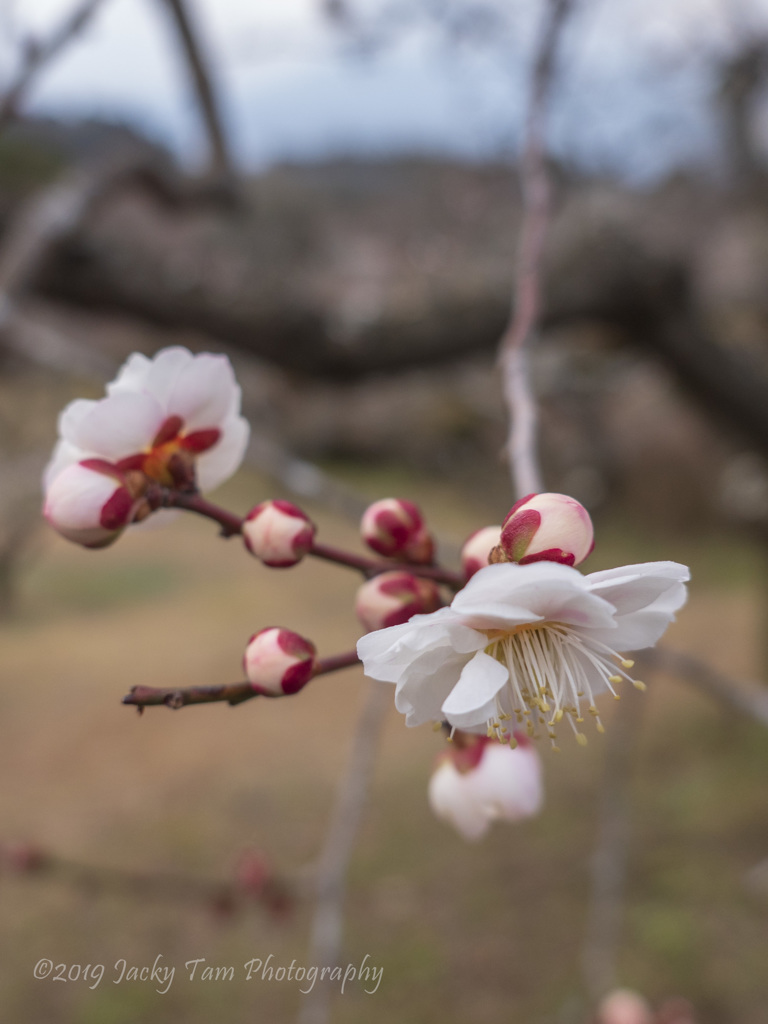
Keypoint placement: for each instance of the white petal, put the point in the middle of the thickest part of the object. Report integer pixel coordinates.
(155, 377)
(220, 462)
(117, 426)
(387, 653)
(647, 595)
(507, 783)
(64, 454)
(473, 699)
(203, 392)
(426, 683)
(132, 376)
(507, 594)
(630, 587)
(451, 800)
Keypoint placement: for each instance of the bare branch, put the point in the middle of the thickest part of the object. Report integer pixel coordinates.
(221, 162)
(609, 859)
(747, 698)
(38, 54)
(513, 356)
(255, 885)
(352, 795)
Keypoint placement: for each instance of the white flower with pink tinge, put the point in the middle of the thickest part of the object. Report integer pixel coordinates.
(486, 782)
(175, 408)
(532, 644)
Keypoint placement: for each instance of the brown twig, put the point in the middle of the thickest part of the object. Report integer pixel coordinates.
(254, 882)
(747, 698)
(513, 355)
(352, 795)
(232, 524)
(38, 54)
(229, 693)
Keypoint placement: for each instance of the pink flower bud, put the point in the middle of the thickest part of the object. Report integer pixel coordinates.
(278, 533)
(393, 597)
(623, 1006)
(278, 662)
(477, 548)
(547, 528)
(394, 527)
(89, 503)
(483, 781)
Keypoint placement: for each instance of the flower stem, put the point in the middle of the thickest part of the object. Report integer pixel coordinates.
(231, 693)
(232, 524)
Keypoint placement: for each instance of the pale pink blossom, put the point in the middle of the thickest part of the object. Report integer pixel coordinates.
(497, 783)
(162, 417)
(527, 644)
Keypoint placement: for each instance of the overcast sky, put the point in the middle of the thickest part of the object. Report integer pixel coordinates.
(288, 94)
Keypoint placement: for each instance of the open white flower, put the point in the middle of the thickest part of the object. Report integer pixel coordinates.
(158, 411)
(498, 784)
(534, 643)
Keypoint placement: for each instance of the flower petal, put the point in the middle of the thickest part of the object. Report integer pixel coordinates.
(120, 425)
(473, 699)
(506, 594)
(204, 392)
(219, 463)
(630, 587)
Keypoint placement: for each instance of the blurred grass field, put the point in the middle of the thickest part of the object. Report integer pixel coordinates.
(488, 933)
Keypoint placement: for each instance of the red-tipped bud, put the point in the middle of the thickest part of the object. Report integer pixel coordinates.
(477, 548)
(394, 527)
(623, 1006)
(89, 503)
(393, 597)
(252, 872)
(547, 528)
(278, 533)
(278, 662)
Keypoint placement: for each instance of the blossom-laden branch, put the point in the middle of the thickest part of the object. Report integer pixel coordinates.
(232, 525)
(229, 693)
(521, 440)
(253, 882)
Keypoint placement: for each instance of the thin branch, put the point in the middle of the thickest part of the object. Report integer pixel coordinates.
(251, 884)
(609, 860)
(222, 164)
(513, 355)
(232, 524)
(230, 693)
(747, 698)
(331, 878)
(38, 54)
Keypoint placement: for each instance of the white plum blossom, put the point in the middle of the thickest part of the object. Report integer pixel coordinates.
(160, 416)
(532, 644)
(499, 784)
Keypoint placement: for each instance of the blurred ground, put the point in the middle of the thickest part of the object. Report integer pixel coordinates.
(488, 933)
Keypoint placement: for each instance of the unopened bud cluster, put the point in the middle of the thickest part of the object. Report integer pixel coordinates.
(393, 597)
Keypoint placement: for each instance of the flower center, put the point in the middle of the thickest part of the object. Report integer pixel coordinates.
(554, 669)
(168, 446)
